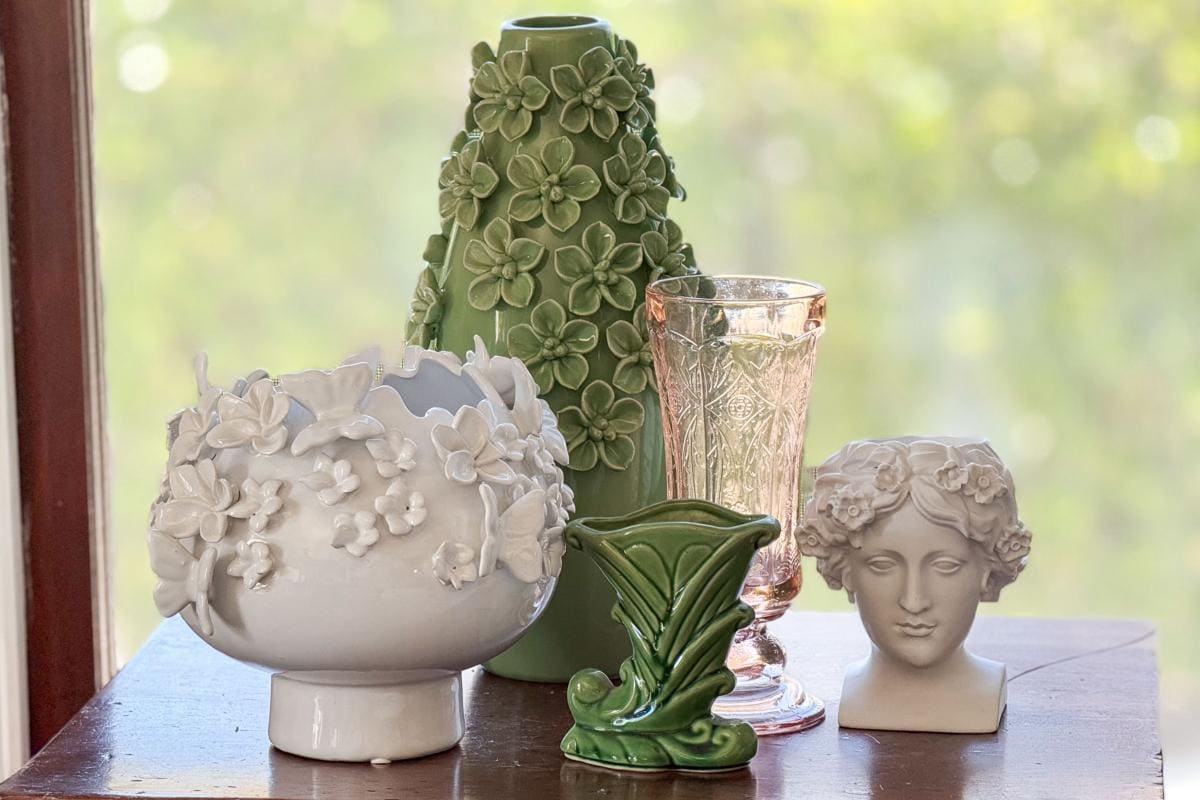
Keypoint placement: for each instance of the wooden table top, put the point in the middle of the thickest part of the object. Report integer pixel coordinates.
(182, 720)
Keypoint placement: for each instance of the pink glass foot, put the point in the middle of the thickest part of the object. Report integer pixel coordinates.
(765, 697)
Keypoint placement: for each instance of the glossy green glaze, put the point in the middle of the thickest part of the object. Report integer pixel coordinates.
(553, 203)
(678, 569)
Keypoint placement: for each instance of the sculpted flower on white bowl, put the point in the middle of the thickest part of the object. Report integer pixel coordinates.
(401, 508)
(356, 532)
(454, 564)
(189, 427)
(393, 452)
(199, 503)
(192, 426)
(253, 562)
(468, 451)
(258, 503)
(255, 420)
(332, 480)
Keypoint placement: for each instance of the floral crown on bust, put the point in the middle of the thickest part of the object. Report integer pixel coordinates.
(956, 482)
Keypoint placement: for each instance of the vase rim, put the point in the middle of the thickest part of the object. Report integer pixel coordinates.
(554, 22)
(675, 290)
(675, 513)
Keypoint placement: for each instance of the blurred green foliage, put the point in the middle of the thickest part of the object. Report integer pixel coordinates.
(1000, 198)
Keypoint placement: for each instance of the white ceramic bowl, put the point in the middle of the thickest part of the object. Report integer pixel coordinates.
(367, 532)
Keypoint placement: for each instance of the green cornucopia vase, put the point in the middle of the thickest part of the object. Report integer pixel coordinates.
(677, 568)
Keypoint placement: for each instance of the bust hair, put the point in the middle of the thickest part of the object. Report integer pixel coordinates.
(956, 482)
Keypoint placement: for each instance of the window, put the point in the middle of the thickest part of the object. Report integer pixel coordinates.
(1001, 205)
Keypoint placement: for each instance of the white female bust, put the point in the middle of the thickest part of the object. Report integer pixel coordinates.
(918, 530)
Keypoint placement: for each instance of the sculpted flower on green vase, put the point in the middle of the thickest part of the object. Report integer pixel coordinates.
(641, 78)
(630, 343)
(665, 252)
(435, 250)
(508, 95)
(598, 428)
(671, 184)
(598, 271)
(481, 53)
(551, 185)
(502, 265)
(635, 176)
(592, 93)
(466, 179)
(553, 347)
(425, 311)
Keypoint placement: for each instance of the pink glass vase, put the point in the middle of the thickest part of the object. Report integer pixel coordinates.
(734, 357)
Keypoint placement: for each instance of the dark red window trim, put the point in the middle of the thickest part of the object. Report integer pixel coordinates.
(57, 346)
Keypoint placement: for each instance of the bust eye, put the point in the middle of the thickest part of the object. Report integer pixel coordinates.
(881, 564)
(947, 566)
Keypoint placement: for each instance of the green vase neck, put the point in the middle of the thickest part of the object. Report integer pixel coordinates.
(561, 38)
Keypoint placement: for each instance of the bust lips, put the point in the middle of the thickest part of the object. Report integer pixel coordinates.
(917, 630)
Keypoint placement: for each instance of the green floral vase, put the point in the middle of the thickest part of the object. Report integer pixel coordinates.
(678, 569)
(554, 218)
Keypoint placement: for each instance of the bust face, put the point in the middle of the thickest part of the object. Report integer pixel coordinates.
(917, 585)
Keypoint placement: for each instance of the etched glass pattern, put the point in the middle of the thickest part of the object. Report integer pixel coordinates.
(734, 358)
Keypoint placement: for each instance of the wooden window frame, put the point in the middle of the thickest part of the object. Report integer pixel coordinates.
(57, 357)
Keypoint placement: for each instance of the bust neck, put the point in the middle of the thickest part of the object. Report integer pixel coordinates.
(960, 694)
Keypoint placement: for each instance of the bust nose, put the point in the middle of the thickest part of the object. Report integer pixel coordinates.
(914, 599)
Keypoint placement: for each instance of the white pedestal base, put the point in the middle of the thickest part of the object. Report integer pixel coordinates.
(363, 716)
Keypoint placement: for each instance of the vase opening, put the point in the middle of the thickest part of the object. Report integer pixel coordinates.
(692, 513)
(433, 385)
(735, 289)
(550, 22)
